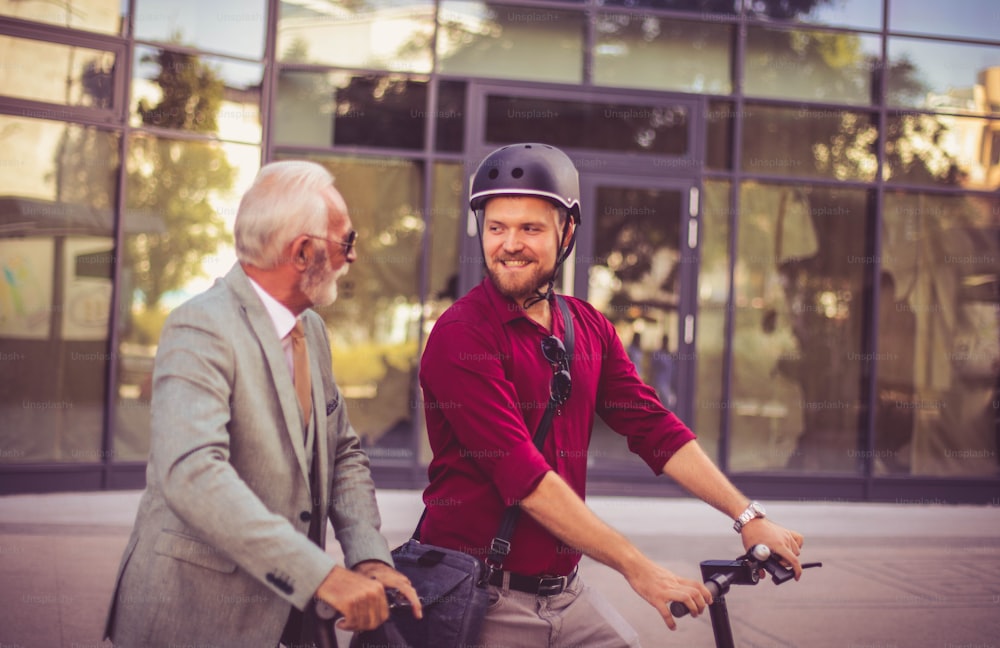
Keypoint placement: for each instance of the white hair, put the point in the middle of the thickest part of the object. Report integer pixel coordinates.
(287, 199)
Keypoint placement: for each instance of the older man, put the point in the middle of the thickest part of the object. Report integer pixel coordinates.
(251, 448)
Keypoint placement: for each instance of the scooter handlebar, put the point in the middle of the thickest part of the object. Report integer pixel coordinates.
(743, 571)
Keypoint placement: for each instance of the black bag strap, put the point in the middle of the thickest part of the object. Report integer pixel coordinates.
(500, 546)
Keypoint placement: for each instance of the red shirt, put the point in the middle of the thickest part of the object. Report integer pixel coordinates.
(486, 384)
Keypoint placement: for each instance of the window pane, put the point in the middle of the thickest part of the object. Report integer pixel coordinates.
(387, 111)
(963, 18)
(224, 26)
(374, 323)
(944, 76)
(382, 34)
(634, 279)
(202, 94)
(812, 143)
(713, 298)
(57, 194)
(811, 65)
(938, 370)
(863, 14)
(943, 150)
(59, 74)
(103, 16)
(614, 127)
(320, 109)
(451, 116)
(651, 52)
(798, 346)
(719, 140)
(181, 199)
(447, 222)
(505, 41)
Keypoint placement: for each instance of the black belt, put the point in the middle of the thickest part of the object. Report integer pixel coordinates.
(537, 585)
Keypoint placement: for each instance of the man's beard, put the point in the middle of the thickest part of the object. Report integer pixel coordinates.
(319, 283)
(522, 290)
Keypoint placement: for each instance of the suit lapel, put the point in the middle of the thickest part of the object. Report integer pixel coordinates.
(263, 329)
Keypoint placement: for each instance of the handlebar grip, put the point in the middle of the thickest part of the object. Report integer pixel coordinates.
(326, 611)
(678, 609)
(778, 573)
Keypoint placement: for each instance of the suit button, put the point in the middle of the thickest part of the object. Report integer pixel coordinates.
(305, 516)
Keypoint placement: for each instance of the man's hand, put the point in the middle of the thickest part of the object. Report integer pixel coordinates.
(659, 586)
(359, 598)
(389, 577)
(781, 541)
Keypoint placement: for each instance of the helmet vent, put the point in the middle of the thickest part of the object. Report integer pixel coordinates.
(493, 174)
(518, 172)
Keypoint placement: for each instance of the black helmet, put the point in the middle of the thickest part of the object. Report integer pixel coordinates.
(528, 170)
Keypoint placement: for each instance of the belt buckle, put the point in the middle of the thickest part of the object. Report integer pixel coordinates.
(551, 585)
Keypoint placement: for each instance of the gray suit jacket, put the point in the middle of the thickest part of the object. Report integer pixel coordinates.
(219, 551)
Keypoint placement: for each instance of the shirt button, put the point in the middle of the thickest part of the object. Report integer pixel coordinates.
(305, 516)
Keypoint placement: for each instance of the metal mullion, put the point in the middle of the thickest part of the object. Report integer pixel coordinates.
(873, 250)
(85, 115)
(109, 430)
(956, 40)
(269, 85)
(342, 151)
(60, 35)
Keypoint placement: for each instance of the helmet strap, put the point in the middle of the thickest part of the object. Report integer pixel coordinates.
(549, 292)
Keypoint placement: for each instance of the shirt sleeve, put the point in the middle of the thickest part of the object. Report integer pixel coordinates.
(467, 392)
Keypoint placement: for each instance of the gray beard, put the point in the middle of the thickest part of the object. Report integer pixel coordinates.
(319, 283)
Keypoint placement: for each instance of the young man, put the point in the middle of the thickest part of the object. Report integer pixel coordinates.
(252, 450)
(487, 373)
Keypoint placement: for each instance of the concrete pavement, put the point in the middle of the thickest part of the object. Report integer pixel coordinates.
(894, 576)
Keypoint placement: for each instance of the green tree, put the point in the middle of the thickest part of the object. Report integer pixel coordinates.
(175, 179)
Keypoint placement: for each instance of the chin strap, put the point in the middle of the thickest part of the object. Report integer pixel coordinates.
(548, 293)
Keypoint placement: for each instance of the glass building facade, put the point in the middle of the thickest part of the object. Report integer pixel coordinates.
(791, 215)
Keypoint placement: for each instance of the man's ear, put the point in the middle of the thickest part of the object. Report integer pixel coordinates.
(299, 254)
(569, 233)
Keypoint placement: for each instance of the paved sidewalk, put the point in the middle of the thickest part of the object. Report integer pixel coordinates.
(894, 576)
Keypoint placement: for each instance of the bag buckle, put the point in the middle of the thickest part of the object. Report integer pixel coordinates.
(499, 548)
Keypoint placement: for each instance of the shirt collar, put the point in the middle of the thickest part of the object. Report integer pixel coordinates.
(282, 318)
(509, 310)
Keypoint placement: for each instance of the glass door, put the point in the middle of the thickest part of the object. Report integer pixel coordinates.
(636, 262)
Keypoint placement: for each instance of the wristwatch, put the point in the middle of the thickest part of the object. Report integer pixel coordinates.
(753, 511)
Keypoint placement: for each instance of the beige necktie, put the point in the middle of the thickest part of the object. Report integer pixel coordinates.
(300, 361)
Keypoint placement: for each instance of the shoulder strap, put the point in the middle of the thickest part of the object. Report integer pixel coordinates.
(501, 542)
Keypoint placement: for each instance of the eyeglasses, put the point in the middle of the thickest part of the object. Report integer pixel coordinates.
(555, 352)
(348, 245)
